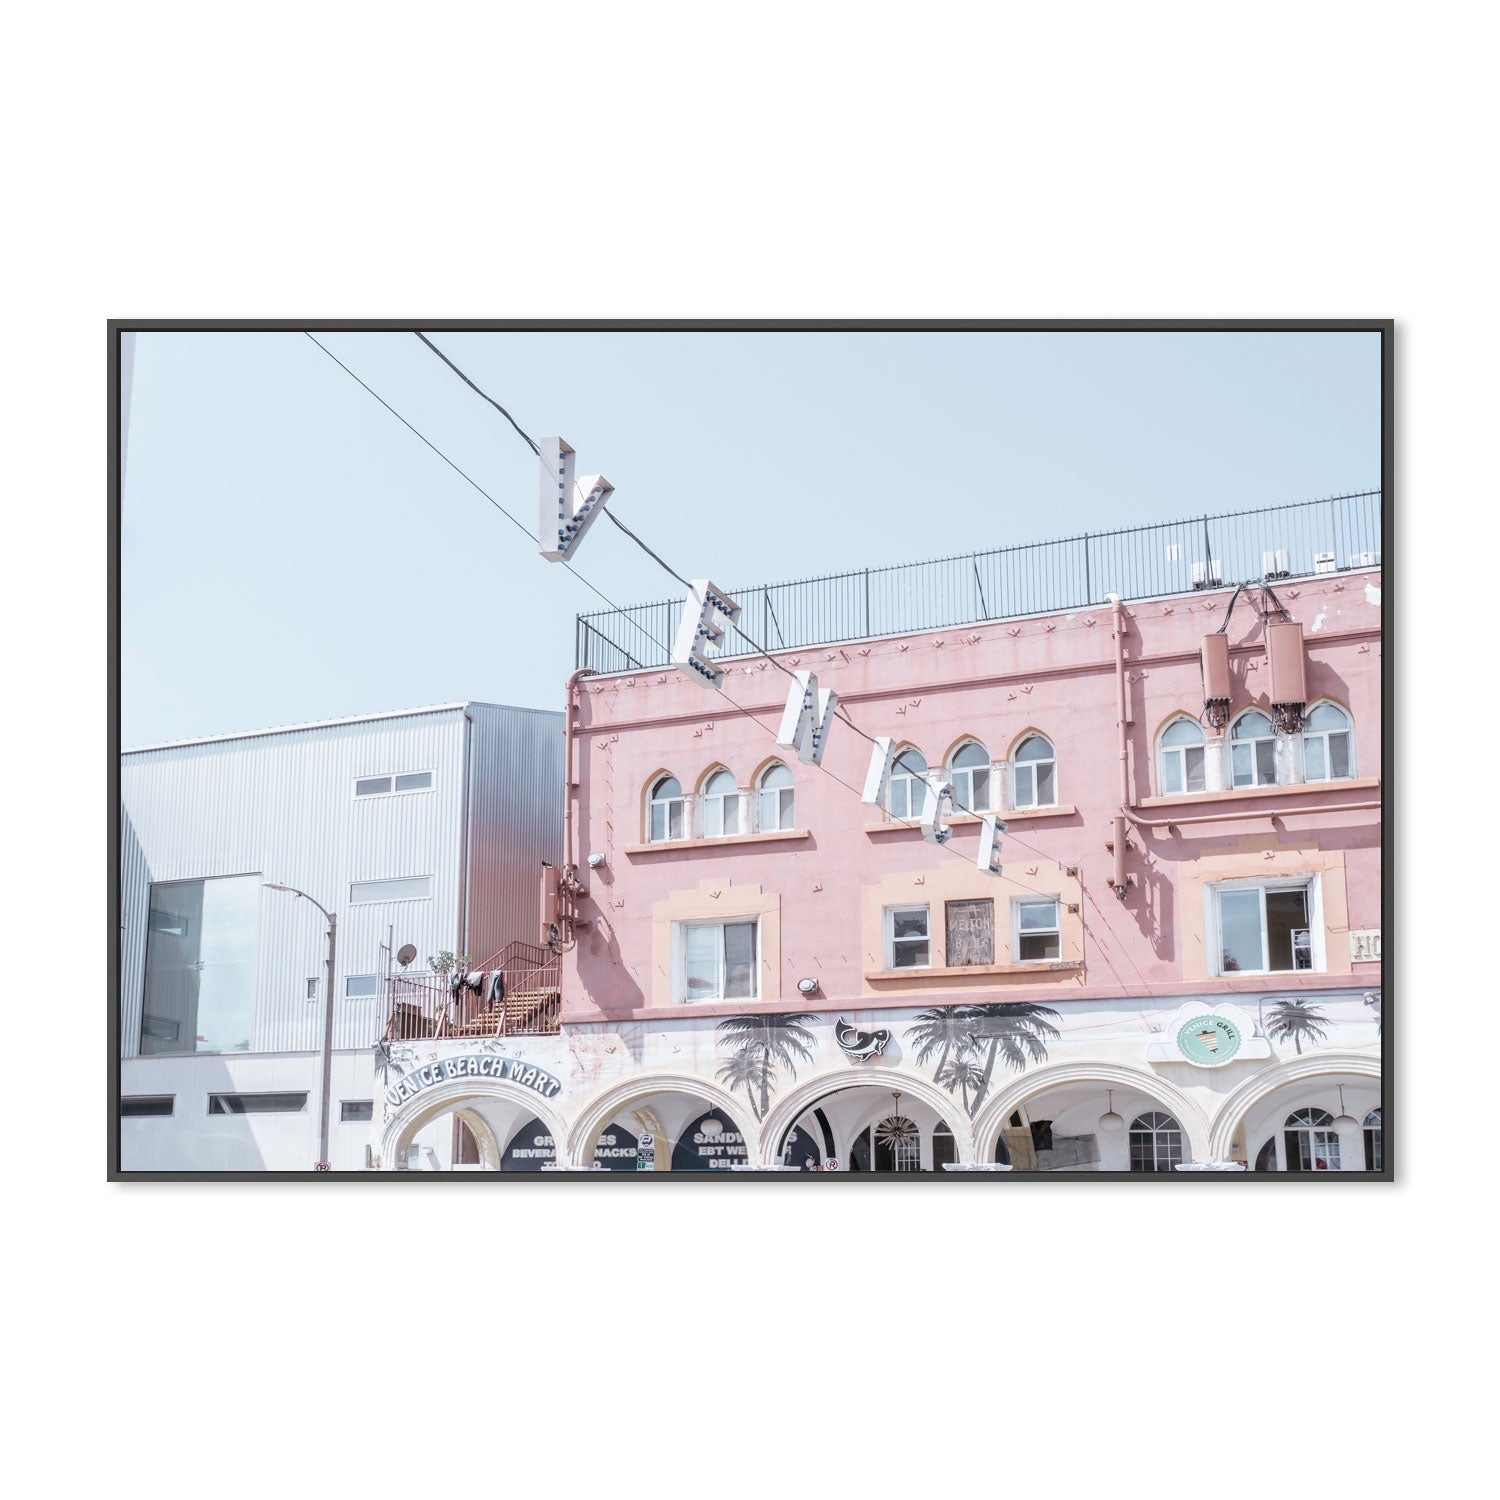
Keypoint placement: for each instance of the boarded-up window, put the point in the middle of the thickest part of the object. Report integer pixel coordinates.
(971, 932)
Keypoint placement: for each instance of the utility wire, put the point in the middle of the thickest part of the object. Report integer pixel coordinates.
(661, 646)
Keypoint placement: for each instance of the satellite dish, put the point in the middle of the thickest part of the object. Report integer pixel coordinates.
(406, 953)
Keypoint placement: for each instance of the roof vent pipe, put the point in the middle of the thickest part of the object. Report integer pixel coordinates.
(1287, 660)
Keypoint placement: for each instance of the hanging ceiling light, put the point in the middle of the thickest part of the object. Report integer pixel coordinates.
(1345, 1121)
(1111, 1123)
(896, 1129)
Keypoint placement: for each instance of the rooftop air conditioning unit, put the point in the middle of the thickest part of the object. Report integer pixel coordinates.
(1363, 559)
(1277, 564)
(1325, 562)
(1207, 575)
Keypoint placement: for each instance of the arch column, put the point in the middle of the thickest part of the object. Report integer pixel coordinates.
(599, 1111)
(452, 1097)
(1260, 1086)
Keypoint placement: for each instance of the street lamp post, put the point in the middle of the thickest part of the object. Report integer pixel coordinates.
(333, 929)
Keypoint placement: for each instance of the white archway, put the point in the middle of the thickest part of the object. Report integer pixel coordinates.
(452, 1096)
(991, 1119)
(792, 1106)
(636, 1090)
(1254, 1090)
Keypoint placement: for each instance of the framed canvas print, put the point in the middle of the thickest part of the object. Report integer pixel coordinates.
(722, 750)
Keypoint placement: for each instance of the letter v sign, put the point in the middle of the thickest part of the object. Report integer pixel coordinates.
(568, 507)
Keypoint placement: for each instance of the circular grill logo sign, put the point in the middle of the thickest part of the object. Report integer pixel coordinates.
(1208, 1040)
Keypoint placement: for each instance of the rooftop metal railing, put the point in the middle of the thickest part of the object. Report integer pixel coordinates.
(1138, 562)
(526, 1002)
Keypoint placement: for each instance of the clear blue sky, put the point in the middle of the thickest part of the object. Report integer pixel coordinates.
(292, 552)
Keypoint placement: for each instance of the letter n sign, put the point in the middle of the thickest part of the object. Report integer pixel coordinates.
(807, 719)
(568, 507)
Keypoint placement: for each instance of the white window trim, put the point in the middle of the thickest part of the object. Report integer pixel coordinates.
(963, 776)
(1322, 734)
(683, 801)
(888, 920)
(1163, 750)
(1016, 903)
(705, 798)
(762, 791)
(904, 774)
(1017, 766)
(389, 900)
(679, 963)
(374, 993)
(1277, 752)
(1312, 884)
(410, 791)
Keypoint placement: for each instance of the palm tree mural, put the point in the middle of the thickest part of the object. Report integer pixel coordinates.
(1291, 1020)
(759, 1045)
(971, 1038)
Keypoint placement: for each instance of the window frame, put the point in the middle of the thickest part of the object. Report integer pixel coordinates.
(1253, 743)
(682, 802)
(1310, 884)
(1165, 752)
(706, 799)
(390, 880)
(393, 790)
(372, 994)
(1320, 1134)
(762, 791)
(1017, 765)
(679, 961)
(904, 775)
(1326, 735)
(1161, 1161)
(962, 778)
(357, 1118)
(888, 927)
(1016, 903)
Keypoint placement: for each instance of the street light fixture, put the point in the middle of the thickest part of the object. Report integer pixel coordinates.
(333, 927)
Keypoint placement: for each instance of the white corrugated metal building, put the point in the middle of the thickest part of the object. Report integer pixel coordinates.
(425, 826)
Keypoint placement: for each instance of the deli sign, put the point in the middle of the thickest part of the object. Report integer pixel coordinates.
(451, 1069)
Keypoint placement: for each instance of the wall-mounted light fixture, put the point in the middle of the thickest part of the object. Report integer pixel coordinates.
(807, 986)
(595, 861)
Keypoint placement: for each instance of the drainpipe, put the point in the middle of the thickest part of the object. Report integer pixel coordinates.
(570, 860)
(1280, 812)
(1119, 881)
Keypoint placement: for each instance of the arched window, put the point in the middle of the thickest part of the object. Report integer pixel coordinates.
(1181, 757)
(1035, 774)
(908, 783)
(1253, 750)
(720, 801)
(777, 796)
(1266, 1161)
(1374, 1142)
(1312, 1144)
(668, 811)
(1328, 744)
(970, 774)
(944, 1147)
(1155, 1142)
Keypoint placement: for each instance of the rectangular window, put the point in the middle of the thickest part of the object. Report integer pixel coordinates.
(312, 989)
(907, 940)
(408, 888)
(199, 993)
(970, 932)
(1254, 763)
(134, 1105)
(356, 1109)
(718, 960)
(256, 1104)
(1264, 929)
(361, 986)
(1037, 933)
(385, 786)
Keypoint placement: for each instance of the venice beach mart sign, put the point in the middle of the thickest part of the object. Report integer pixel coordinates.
(569, 506)
(504, 1069)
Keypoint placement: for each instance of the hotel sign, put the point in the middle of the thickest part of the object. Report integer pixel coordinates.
(451, 1069)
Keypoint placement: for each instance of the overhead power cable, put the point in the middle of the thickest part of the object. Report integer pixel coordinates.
(661, 646)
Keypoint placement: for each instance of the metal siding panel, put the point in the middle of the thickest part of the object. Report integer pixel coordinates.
(516, 792)
(282, 806)
(135, 900)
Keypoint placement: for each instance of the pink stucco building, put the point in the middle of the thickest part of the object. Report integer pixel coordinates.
(1174, 961)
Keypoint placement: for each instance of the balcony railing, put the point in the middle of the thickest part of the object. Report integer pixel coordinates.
(1140, 562)
(527, 1000)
